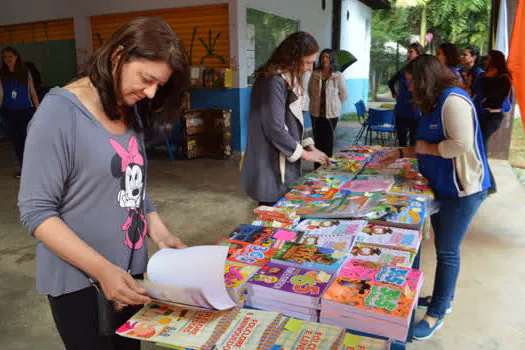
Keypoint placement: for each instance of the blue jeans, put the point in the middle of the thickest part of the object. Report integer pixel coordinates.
(450, 226)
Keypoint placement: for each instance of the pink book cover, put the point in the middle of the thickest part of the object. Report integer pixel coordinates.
(368, 185)
(402, 277)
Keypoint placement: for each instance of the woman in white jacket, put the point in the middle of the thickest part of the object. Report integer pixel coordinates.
(327, 91)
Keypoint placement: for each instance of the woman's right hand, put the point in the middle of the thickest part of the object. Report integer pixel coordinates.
(119, 286)
(316, 156)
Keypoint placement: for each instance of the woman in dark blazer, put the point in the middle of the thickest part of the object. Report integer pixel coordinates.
(275, 140)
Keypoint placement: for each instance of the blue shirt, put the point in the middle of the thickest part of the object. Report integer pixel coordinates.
(441, 172)
(16, 95)
(404, 107)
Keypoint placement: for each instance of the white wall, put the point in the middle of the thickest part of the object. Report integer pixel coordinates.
(356, 37)
(311, 17)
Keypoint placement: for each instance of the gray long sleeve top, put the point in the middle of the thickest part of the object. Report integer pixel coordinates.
(95, 181)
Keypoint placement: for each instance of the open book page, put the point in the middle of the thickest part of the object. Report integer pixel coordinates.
(193, 277)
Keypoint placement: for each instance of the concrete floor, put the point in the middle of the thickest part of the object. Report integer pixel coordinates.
(201, 202)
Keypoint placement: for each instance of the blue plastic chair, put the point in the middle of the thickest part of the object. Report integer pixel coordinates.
(172, 142)
(361, 117)
(381, 121)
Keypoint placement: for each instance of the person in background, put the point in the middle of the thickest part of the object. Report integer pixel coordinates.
(37, 80)
(450, 154)
(491, 94)
(275, 140)
(472, 67)
(83, 187)
(406, 114)
(19, 100)
(327, 91)
(448, 54)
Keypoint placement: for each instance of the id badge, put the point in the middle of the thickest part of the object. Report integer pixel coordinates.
(13, 95)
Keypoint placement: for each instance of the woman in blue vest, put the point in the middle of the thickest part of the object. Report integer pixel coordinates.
(450, 154)
(491, 94)
(19, 99)
(448, 54)
(406, 115)
(472, 67)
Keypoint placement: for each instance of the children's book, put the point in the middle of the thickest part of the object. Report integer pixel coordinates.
(275, 224)
(307, 207)
(249, 254)
(158, 322)
(411, 189)
(369, 170)
(382, 255)
(263, 236)
(366, 297)
(346, 207)
(235, 277)
(402, 277)
(297, 334)
(375, 177)
(312, 257)
(368, 185)
(199, 285)
(392, 237)
(330, 227)
(335, 242)
(251, 329)
(313, 193)
(289, 284)
(360, 342)
(271, 213)
(316, 180)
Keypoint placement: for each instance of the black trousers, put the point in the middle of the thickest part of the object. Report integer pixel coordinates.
(324, 133)
(75, 316)
(489, 123)
(17, 122)
(406, 129)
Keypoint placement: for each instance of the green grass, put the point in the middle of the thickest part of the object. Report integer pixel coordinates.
(517, 144)
(349, 117)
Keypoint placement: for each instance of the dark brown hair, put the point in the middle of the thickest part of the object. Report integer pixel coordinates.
(287, 56)
(497, 61)
(429, 79)
(20, 73)
(142, 38)
(451, 53)
(417, 47)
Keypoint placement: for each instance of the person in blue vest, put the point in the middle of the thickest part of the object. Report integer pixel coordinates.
(406, 115)
(451, 156)
(472, 67)
(492, 97)
(448, 54)
(19, 99)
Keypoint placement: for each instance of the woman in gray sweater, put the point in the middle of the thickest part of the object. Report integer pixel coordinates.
(276, 142)
(83, 186)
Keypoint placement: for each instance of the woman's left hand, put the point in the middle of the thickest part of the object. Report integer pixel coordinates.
(171, 241)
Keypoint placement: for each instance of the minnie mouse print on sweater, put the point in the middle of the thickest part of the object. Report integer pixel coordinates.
(128, 165)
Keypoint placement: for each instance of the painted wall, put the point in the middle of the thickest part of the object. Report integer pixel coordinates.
(356, 37)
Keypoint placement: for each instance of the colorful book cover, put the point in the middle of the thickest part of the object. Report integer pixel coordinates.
(272, 213)
(263, 236)
(250, 254)
(403, 277)
(360, 342)
(275, 224)
(304, 207)
(370, 170)
(297, 334)
(330, 227)
(375, 177)
(251, 329)
(316, 180)
(335, 242)
(235, 277)
(409, 215)
(346, 207)
(313, 193)
(309, 256)
(368, 185)
(158, 322)
(412, 189)
(377, 297)
(292, 279)
(382, 255)
(393, 237)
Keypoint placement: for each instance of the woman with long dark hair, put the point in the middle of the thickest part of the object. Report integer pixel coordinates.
(18, 99)
(491, 93)
(327, 91)
(83, 188)
(448, 54)
(407, 115)
(450, 155)
(472, 67)
(275, 140)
